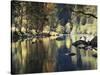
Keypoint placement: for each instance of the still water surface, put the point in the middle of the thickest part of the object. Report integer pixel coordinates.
(50, 55)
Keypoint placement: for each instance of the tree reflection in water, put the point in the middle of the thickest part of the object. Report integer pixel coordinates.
(49, 55)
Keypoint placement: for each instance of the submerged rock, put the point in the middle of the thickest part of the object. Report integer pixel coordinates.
(70, 54)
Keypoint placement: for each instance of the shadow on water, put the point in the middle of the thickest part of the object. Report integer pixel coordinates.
(64, 63)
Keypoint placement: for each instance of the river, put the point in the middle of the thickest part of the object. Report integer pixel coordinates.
(38, 55)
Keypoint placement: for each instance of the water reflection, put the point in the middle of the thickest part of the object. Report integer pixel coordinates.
(50, 55)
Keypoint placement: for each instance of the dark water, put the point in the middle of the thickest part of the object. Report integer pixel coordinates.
(50, 55)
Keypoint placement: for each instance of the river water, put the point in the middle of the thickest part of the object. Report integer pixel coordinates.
(38, 55)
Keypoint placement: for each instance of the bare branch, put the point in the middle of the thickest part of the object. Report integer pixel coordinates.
(89, 14)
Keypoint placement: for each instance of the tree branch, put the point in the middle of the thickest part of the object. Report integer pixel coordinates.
(89, 14)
